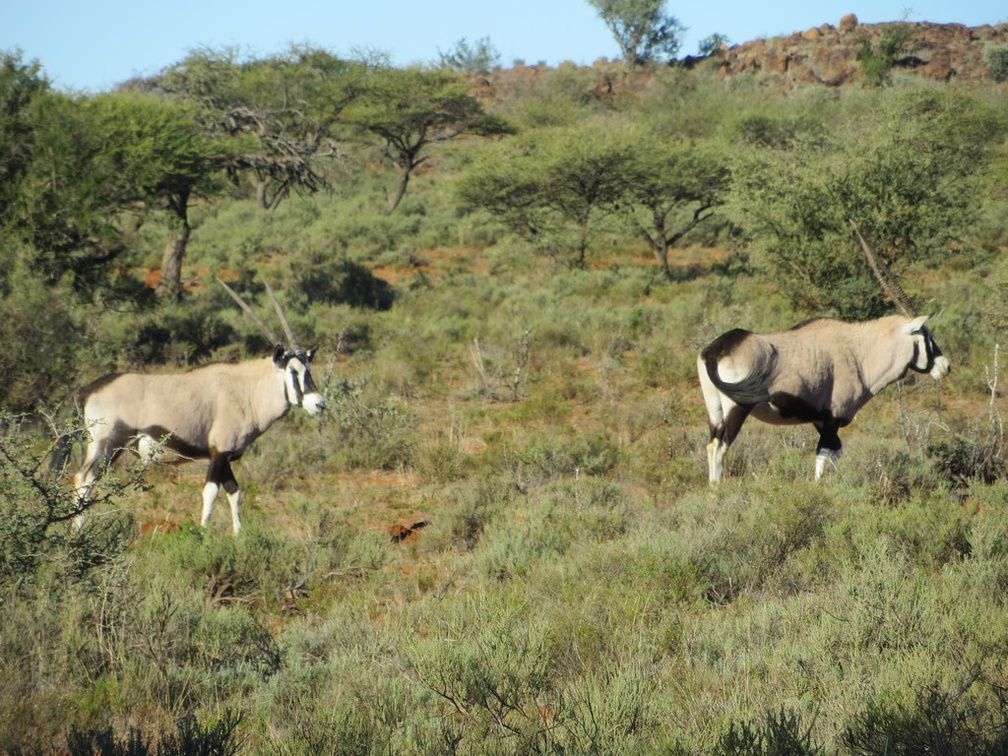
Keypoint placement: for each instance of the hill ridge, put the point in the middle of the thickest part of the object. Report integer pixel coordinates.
(828, 54)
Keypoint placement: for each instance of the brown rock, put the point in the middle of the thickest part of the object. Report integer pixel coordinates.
(833, 66)
(940, 66)
(774, 61)
(848, 23)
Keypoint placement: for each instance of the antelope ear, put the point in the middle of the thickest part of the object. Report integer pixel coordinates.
(311, 353)
(279, 354)
(915, 325)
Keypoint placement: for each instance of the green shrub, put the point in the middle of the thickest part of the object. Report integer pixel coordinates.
(876, 61)
(373, 433)
(190, 738)
(37, 506)
(493, 667)
(996, 57)
(965, 458)
(183, 333)
(325, 279)
(44, 335)
(780, 733)
(937, 722)
(546, 458)
(479, 504)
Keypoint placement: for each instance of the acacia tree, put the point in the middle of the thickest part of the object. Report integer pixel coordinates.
(164, 159)
(293, 105)
(98, 166)
(274, 120)
(409, 110)
(553, 189)
(280, 114)
(560, 190)
(907, 179)
(641, 28)
(20, 84)
(673, 189)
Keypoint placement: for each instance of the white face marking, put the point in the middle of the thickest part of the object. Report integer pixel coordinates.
(313, 403)
(941, 368)
(921, 345)
(929, 358)
(298, 382)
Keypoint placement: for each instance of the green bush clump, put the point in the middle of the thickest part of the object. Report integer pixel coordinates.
(996, 57)
(190, 738)
(367, 431)
(547, 458)
(39, 363)
(936, 721)
(781, 733)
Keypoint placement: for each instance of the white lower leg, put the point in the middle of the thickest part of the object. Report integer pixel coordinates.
(823, 458)
(715, 459)
(209, 494)
(82, 485)
(234, 500)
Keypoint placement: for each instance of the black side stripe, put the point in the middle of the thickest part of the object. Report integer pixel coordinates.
(298, 392)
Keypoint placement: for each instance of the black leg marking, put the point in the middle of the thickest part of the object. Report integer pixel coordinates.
(219, 472)
(732, 424)
(829, 439)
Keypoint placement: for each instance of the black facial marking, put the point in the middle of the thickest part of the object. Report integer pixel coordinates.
(931, 352)
(298, 391)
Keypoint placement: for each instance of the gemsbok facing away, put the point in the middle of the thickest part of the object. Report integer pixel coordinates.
(821, 372)
(211, 412)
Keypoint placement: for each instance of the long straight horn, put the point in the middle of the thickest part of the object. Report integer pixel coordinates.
(293, 342)
(890, 285)
(248, 311)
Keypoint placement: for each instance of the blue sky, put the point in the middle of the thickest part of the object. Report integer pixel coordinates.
(94, 45)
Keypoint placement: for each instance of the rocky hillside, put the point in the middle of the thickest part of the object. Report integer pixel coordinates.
(828, 54)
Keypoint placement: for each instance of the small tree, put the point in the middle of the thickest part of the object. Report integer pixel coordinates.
(164, 159)
(996, 57)
(641, 28)
(98, 166)
(480, 59)
(280, 115)
(908, 180)
(408, 110)
(673, 188)
(876, 61)
(553, 190)
(710, 45)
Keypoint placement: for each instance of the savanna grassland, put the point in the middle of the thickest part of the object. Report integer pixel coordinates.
(500, 538)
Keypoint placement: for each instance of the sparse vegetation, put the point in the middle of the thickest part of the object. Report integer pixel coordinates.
(877, 60)
(500, 538)
(996, 58)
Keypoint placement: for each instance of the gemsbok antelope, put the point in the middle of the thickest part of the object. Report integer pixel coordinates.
(211, 412)
(821, 372)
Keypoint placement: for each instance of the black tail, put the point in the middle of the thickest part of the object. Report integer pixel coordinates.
(754, 388)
